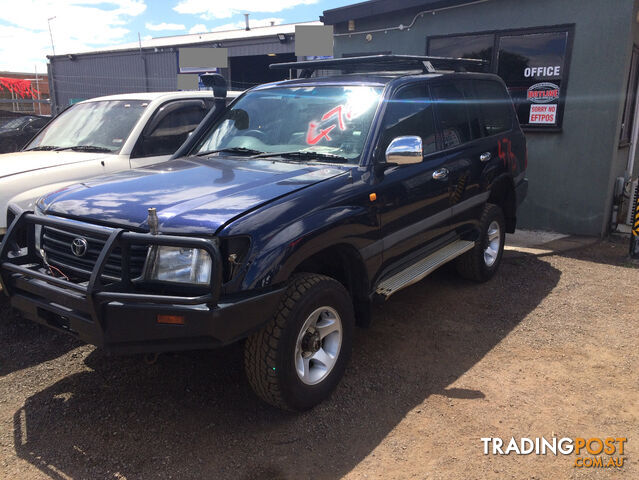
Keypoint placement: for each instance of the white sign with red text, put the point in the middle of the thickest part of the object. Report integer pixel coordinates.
(543, 114)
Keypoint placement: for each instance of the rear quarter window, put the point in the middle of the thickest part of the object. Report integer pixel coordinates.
(495, 105)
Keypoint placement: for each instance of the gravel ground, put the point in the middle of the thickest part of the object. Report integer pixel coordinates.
(548, 348)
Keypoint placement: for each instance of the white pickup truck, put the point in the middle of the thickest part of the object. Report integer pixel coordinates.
(100, 136)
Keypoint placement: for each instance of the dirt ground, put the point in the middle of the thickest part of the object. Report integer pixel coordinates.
(550, 347)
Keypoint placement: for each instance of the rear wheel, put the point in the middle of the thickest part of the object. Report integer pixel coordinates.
(299, 357)
(482, 261)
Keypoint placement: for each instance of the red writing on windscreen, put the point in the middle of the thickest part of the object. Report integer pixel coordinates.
(313, 135)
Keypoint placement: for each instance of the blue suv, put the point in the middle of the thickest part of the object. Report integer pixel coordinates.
(282, 220)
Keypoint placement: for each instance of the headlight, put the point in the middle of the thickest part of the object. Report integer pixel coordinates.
(178, 264)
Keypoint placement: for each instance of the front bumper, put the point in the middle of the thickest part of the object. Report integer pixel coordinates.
(113, 315)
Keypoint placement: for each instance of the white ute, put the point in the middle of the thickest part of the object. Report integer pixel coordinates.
(100, 136)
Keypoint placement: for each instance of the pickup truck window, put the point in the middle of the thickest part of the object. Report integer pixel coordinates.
(332, 120)
(103, 125)
(171, 130)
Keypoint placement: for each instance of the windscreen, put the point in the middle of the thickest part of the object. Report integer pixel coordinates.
(330, 120)
(103, 125)
(15, 123)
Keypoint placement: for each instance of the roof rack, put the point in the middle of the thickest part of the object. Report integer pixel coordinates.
(383, 63)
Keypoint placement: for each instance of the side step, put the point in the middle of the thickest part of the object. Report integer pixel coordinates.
(422, 268)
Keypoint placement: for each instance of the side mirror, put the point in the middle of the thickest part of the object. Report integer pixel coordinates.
(405, 151)
(240, 118)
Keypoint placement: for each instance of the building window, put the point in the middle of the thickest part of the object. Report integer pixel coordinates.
(463, 46)
(533, 63)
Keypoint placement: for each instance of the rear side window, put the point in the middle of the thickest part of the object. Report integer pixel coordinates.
(496, 107)
(410, 112)
(452, 113)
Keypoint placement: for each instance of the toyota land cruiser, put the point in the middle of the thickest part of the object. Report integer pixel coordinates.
(305, 201)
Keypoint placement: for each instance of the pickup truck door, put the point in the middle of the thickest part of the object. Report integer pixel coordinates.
(413, 203)
(166, 130)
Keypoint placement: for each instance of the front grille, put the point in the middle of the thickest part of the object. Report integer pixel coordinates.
(57, 244)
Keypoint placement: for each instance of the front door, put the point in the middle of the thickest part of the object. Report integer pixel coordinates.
(413, 203)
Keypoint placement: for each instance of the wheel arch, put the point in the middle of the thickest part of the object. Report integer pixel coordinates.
(502, 193)
(342, 262)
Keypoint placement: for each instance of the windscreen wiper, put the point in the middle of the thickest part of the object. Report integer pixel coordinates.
(247, 151)
(85, 148)
(305, 156)
(42, 147)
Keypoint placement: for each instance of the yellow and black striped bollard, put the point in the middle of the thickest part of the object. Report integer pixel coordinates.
(634, 238)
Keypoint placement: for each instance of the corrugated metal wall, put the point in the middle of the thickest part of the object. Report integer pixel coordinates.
(87, 76)
(78, 77)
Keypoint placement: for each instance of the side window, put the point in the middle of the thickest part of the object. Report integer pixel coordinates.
(410, 112)
(496, 107)
(452, 113)
(169, 128)
(472, 109)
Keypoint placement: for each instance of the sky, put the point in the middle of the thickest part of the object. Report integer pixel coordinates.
(80, 25)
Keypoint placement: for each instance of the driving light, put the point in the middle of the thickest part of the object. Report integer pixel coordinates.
(179, 264)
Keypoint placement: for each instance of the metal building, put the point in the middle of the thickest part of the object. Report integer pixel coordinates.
(152, 65)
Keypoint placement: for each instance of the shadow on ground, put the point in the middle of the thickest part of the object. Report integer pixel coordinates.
(25, 343)
(613, 251)
(194, 415)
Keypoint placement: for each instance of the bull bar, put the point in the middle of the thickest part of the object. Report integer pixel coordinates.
(109, 314)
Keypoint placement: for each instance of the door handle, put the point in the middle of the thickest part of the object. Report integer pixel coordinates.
(484, 157)
(441, 174)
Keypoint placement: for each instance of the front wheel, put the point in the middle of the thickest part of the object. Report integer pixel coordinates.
(299, 357)
(482, 261)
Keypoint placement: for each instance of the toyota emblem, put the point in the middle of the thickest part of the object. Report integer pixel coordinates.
(79, 247)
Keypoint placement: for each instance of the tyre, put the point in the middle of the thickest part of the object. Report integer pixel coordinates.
(482, 261)
(299, 357)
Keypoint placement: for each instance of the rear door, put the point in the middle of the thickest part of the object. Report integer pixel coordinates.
(465, 149)
(502, 135)
(413, 206)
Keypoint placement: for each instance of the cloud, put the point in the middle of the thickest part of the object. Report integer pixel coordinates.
(156, 27)
(211, 10)
(199, 28)
(78, 25)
